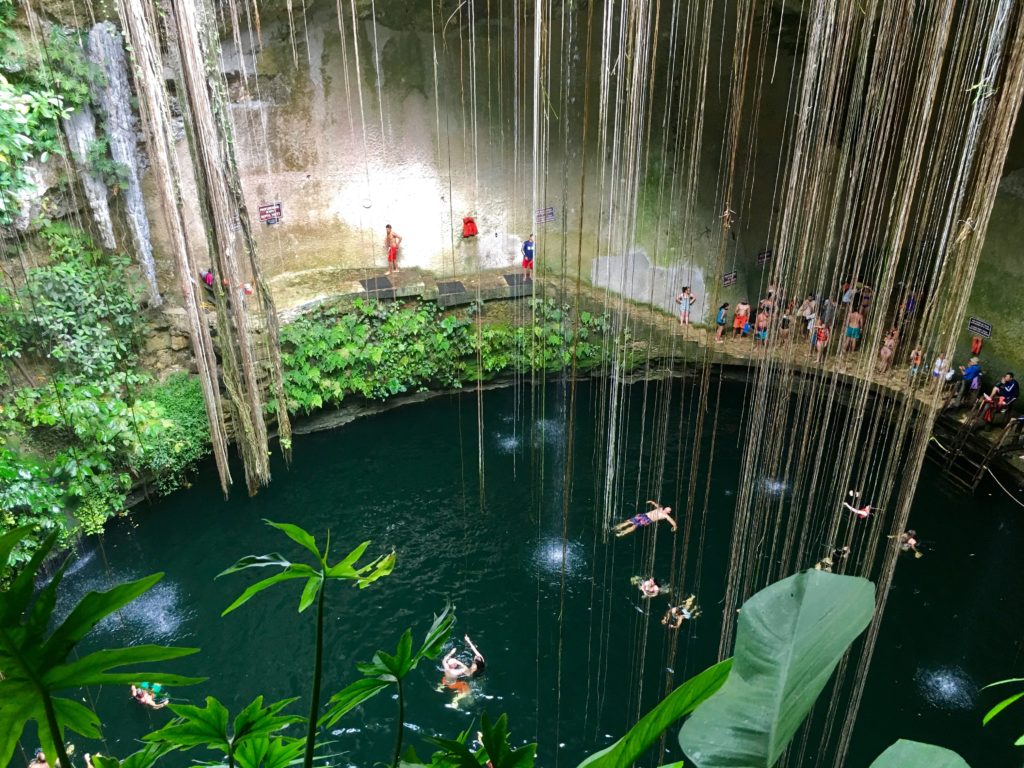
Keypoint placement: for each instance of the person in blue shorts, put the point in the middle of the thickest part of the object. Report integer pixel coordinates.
(655, 513)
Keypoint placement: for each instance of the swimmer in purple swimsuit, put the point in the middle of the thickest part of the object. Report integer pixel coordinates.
(643, 519)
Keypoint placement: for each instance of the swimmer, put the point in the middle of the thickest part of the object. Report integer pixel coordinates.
(677, 614)
(39, 760)
(908, 542)
(146, 698)
(648, 587)
(642, 520)
(861, 512)
(455, 669)
(832, 560)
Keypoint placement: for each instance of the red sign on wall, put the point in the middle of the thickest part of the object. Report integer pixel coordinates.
(270, 213)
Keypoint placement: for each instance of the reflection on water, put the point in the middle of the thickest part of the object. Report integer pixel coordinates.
(947, 688)
(773, 487)
(161, 615)
(549, 557)
(508, 443)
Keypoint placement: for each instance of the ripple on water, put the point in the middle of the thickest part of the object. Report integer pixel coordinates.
(508, 443)
(948, 688)
(159, 615)
(548, 557)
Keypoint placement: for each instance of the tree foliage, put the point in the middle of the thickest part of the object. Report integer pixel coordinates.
(39, 663)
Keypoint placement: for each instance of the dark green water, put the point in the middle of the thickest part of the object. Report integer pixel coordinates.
(408, 479)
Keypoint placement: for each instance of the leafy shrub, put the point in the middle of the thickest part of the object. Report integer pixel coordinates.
(28, 497)
(173, 452)
(36, 91)
(376, 351)
(80, 310)
(380, 350)
(114, 174)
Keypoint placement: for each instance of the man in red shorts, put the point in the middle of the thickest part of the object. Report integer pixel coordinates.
(391, 241)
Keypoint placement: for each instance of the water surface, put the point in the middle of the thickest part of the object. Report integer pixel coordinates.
(573, 653)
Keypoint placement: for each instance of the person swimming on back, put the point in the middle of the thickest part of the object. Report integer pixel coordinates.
(147, 699)
(677, 614)
(643, 519)
(861, 512)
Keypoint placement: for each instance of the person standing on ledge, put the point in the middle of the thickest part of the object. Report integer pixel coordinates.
(685, 300)
(528, 248)
(391, 242)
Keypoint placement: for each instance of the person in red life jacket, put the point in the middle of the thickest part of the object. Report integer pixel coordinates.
(391, 241)
(862, 513)
(469, 227)
(528, 248)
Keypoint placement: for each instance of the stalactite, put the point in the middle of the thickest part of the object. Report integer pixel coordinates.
(114, 97)
(80, 131)
(141, 33)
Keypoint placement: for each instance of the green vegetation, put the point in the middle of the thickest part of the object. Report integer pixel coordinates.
(745, 712)
(380, 350)
(316, 578)
(115, 175)
(172, 453)
(85, 422)
(37, 89)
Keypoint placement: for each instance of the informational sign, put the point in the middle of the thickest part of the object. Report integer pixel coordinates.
(270, 213)
(764, 256)
(978, 327)
(729, 278)
(544, 215)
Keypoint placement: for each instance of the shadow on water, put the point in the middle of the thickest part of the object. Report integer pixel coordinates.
(408, 479)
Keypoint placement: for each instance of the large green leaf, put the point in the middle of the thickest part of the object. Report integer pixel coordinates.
(791, 636)
(35, 664)
(249, 738)
(682, 701)
(495, 738)
(254, 589)
(299, 536)
(314, 575)
(195, 727)
(350, 697)
(914, 754)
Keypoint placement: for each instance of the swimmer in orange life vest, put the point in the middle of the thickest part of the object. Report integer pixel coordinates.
(860, 512)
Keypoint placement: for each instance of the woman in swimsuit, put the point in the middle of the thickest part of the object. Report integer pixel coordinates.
(685, 301)
(147, 699)
(643, 519)
(887, 351)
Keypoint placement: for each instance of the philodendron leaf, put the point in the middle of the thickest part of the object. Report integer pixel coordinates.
(299, 535)
(195, 726)
(1000, 707)
(682, 701)
(914, 754)
(791, 636)
(350, 697)
(254, 589)
(35, 667)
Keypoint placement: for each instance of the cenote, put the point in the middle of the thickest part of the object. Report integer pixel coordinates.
(573, 653)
